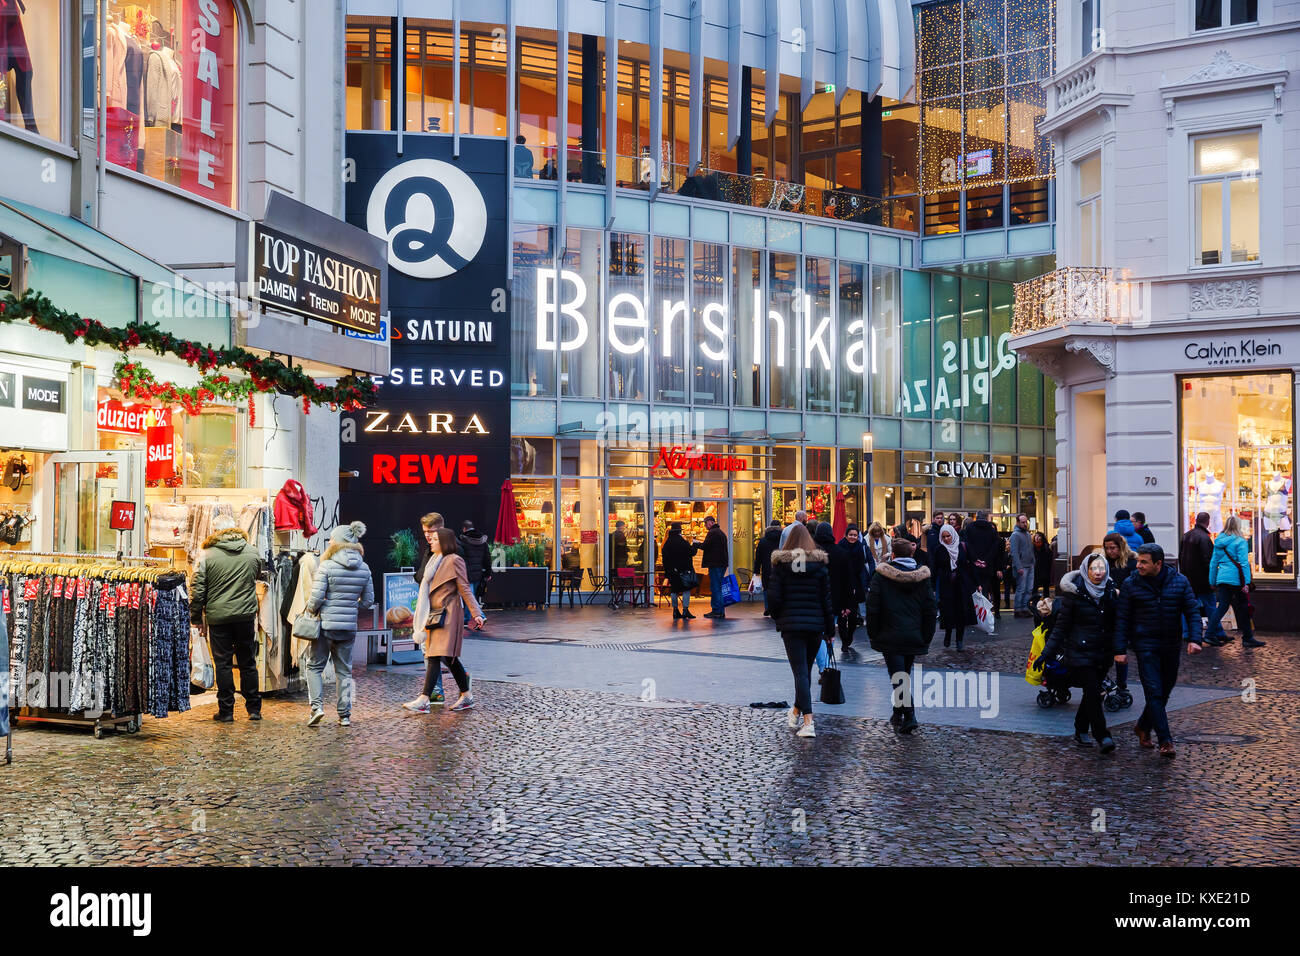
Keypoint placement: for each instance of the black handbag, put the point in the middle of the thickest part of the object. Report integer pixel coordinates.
(690, 580)
(435, 620)
(832, 684)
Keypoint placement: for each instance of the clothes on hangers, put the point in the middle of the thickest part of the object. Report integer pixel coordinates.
(307, 564)
(293, 511)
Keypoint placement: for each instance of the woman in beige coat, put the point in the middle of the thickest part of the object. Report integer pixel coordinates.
(443, 588)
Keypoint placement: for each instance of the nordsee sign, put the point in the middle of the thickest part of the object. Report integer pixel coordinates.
(1243, 351)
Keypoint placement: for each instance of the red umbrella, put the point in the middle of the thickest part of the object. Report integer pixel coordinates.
(507, 520)
(839, 522)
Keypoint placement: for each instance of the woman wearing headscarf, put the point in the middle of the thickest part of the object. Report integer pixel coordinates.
(1083, 634)
(955, 588)
(442, 589)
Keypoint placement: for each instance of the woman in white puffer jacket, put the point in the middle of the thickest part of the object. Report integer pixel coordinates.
(341, 587)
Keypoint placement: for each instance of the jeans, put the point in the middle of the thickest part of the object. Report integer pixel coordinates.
(235, 642)
(801, 651)
(686, 599)
(1024, 588)
(1090, 714)
(433, 674)
(1235, 596)
(477, 588)
(338, 646)
(1206, 601)
(1158, 671)
(895, 665)
(715, 590)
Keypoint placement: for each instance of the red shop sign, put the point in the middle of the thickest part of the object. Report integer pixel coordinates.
(114, 416)
(678, 460)
(160, 454)
(121, 516)
(210, 65)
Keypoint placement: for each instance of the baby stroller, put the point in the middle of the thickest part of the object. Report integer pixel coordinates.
(1113, 698)
(1055, 688)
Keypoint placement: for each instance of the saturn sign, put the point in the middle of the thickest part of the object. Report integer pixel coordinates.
(431, 214)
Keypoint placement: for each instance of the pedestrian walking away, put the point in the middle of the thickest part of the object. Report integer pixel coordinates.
(224, 591)
(801, 607)
(716, 561)
(1156, 608)
(844, 602)
(1195, 552)
(1083, 636)
(677, 555)
(1124, 525)
(800, 517)
(955, 591)
(770, 541)
(1021, 547)
(440, 621)
(900, 624)
(343, 585)
(1230, 576)
(987, 553)
(476, 551)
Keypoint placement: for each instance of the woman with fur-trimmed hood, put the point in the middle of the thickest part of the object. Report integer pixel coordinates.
(224, 590)
(901, 612)
(341, 587)
(799, 600)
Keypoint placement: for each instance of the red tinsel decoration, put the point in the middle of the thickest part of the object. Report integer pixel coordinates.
(252, 412)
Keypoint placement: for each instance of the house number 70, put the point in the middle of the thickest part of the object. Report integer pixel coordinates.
(1151, 480)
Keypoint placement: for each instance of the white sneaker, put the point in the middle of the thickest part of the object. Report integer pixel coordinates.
(316, 717)
(806, 730)
(345, 721)
(792, 719)
(419, 705)
(465, 703)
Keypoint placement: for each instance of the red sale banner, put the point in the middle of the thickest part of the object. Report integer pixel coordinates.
(160, 462)
(209, 140)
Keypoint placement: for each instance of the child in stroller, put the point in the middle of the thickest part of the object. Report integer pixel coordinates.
(1056, 687)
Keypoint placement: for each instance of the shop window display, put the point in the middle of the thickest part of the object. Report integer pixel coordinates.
(1238, 447)
(31, 41)
(171, 75)
(535, 504)
(17, 491)
(204, 446)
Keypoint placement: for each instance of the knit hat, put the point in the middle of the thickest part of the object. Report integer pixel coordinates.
(348, 533)
(222, 522)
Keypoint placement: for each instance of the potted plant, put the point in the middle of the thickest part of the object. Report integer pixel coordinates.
(403, 552)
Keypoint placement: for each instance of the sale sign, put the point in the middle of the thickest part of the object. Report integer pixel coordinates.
(211, 67)
(160, 455)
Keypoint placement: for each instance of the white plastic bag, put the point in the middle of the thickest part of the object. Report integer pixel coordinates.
(1229, 621)
(755, 585)
(202, 672)
(983, 612)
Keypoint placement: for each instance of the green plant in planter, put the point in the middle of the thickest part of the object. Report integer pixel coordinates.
(516, 554)
(403, 552)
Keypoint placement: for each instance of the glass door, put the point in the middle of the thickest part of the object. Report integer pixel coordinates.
(83, 487)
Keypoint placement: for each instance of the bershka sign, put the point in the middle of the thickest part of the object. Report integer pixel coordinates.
(677, 461)
(112, 416)
(298, 276)
(1242, 351)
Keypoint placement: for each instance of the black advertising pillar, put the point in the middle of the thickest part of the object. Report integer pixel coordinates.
(438, 436)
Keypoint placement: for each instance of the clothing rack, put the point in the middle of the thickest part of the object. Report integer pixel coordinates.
(86, 556)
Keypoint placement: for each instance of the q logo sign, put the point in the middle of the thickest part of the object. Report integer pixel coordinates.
(431, 214)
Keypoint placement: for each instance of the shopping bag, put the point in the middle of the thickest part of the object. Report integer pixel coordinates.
(730, 590)
(202, 672)
(755, 585)
(1033, 676)
(1229, 620)
(983, 612)
(823, 657)
(832, 685)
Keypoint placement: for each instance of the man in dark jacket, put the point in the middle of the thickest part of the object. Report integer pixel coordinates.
(1140, 526)
(430, 524)
(770, 541)
(900, 624)
(618, 546)
(474, 548)
(932, 538)
(224, 589)
(1157, 607)
(714, 557)
(987, 554)
(843, 603)
(1195, 552)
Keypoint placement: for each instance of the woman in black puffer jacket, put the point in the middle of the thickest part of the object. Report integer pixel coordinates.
(800, 602)
(1083, 634)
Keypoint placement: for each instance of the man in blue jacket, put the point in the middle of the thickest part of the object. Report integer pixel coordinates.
(1124, 525)
(1154, 606)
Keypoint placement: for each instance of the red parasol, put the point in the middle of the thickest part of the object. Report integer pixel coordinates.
(839, 522)
(507, 520)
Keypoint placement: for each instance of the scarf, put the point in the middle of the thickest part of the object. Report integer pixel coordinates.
(1095, 590)
(948, 538)
(907, 564)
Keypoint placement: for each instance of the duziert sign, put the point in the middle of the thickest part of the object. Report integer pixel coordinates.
(294, 275)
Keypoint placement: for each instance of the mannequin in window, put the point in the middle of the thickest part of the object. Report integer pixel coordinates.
(1275, 505)
(1209, 497)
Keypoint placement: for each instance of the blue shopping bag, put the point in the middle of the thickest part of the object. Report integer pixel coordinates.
(730, 590)
(823, 657)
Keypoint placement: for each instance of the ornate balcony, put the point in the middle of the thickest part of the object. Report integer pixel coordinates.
(1072, 295)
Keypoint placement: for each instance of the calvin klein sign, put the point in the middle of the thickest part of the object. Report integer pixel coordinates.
(1243, 351)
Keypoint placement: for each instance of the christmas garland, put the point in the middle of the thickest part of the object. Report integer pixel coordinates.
(264, 373)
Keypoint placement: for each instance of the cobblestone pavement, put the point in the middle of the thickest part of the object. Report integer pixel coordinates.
(537, 775)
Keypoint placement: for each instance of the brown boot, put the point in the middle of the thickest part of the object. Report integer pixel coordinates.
(1144, 737)
(1167, 749)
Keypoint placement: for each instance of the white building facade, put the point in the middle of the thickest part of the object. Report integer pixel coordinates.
(1172, 323)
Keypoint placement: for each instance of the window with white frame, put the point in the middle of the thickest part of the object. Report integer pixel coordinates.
(1090, 35)
(1225, 198)
(1088, 184)
(1213, 14)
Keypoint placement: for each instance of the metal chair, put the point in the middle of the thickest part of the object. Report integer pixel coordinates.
(598, 583)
